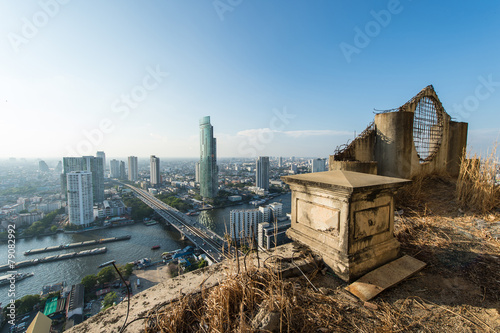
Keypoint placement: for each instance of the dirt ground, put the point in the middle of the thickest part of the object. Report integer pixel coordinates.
(151, 276)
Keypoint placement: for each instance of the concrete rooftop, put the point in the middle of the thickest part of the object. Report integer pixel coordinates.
(344, 179)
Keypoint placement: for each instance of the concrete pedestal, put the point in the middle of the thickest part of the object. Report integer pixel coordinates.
(346, 217)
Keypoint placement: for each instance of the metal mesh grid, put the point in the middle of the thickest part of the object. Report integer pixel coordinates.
(427, 129)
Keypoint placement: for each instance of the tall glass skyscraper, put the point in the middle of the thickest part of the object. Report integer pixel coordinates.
(209, 173)
(114, 167)
(262, 173)
(154, 174)
(102, 155)
(133, 173)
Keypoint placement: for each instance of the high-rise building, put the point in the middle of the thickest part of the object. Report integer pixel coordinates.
(262, 173)
(209, 173)
(243, 223)
(80, 197)
(197, 172)
(86, 163)
(114, 167)
(102, 155)
(318, 165)
(96, 166)
(270, 235)
(58, 167)
(277, 210)
(133, 171)
(154, 176)
(264, 214)
(73, 164)
(123, 174)
(280, 162)
(42, 166)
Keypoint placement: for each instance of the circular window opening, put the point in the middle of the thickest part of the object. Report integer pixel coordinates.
(427, 129)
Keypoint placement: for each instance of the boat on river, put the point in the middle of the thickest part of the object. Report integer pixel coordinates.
(6, 279)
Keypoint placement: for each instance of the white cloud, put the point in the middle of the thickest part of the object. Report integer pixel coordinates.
(304, 133)
(295, 134)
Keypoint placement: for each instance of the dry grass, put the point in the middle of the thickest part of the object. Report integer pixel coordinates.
(233, 305)
(476, 188)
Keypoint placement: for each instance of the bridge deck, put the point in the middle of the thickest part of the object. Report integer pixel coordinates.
(208, 241)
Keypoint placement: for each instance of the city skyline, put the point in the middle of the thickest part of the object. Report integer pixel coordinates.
(297, 85)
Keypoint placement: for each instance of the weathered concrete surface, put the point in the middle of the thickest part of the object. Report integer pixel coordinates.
(390, 143)
(346, 217)
(355, 166)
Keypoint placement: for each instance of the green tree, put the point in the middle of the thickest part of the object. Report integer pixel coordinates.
(53, 228)
(107, 274)
(223, 194)
(39, 226)
(202, 263)
(175, 202)
(139, 209)
(89, 281)
(26, 303)
(126, 270)
(109, 299)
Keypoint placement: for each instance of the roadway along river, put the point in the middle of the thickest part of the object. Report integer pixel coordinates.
(139, 246)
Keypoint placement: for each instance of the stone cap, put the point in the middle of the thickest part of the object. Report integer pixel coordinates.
(349, 180)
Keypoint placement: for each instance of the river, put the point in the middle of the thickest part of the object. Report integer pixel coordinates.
(71, 271)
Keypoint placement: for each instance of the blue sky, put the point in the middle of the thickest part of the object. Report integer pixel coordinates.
(134, 78)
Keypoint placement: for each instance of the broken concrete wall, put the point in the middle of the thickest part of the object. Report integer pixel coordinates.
(457, 144)
(394, 144)
(419, 137)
